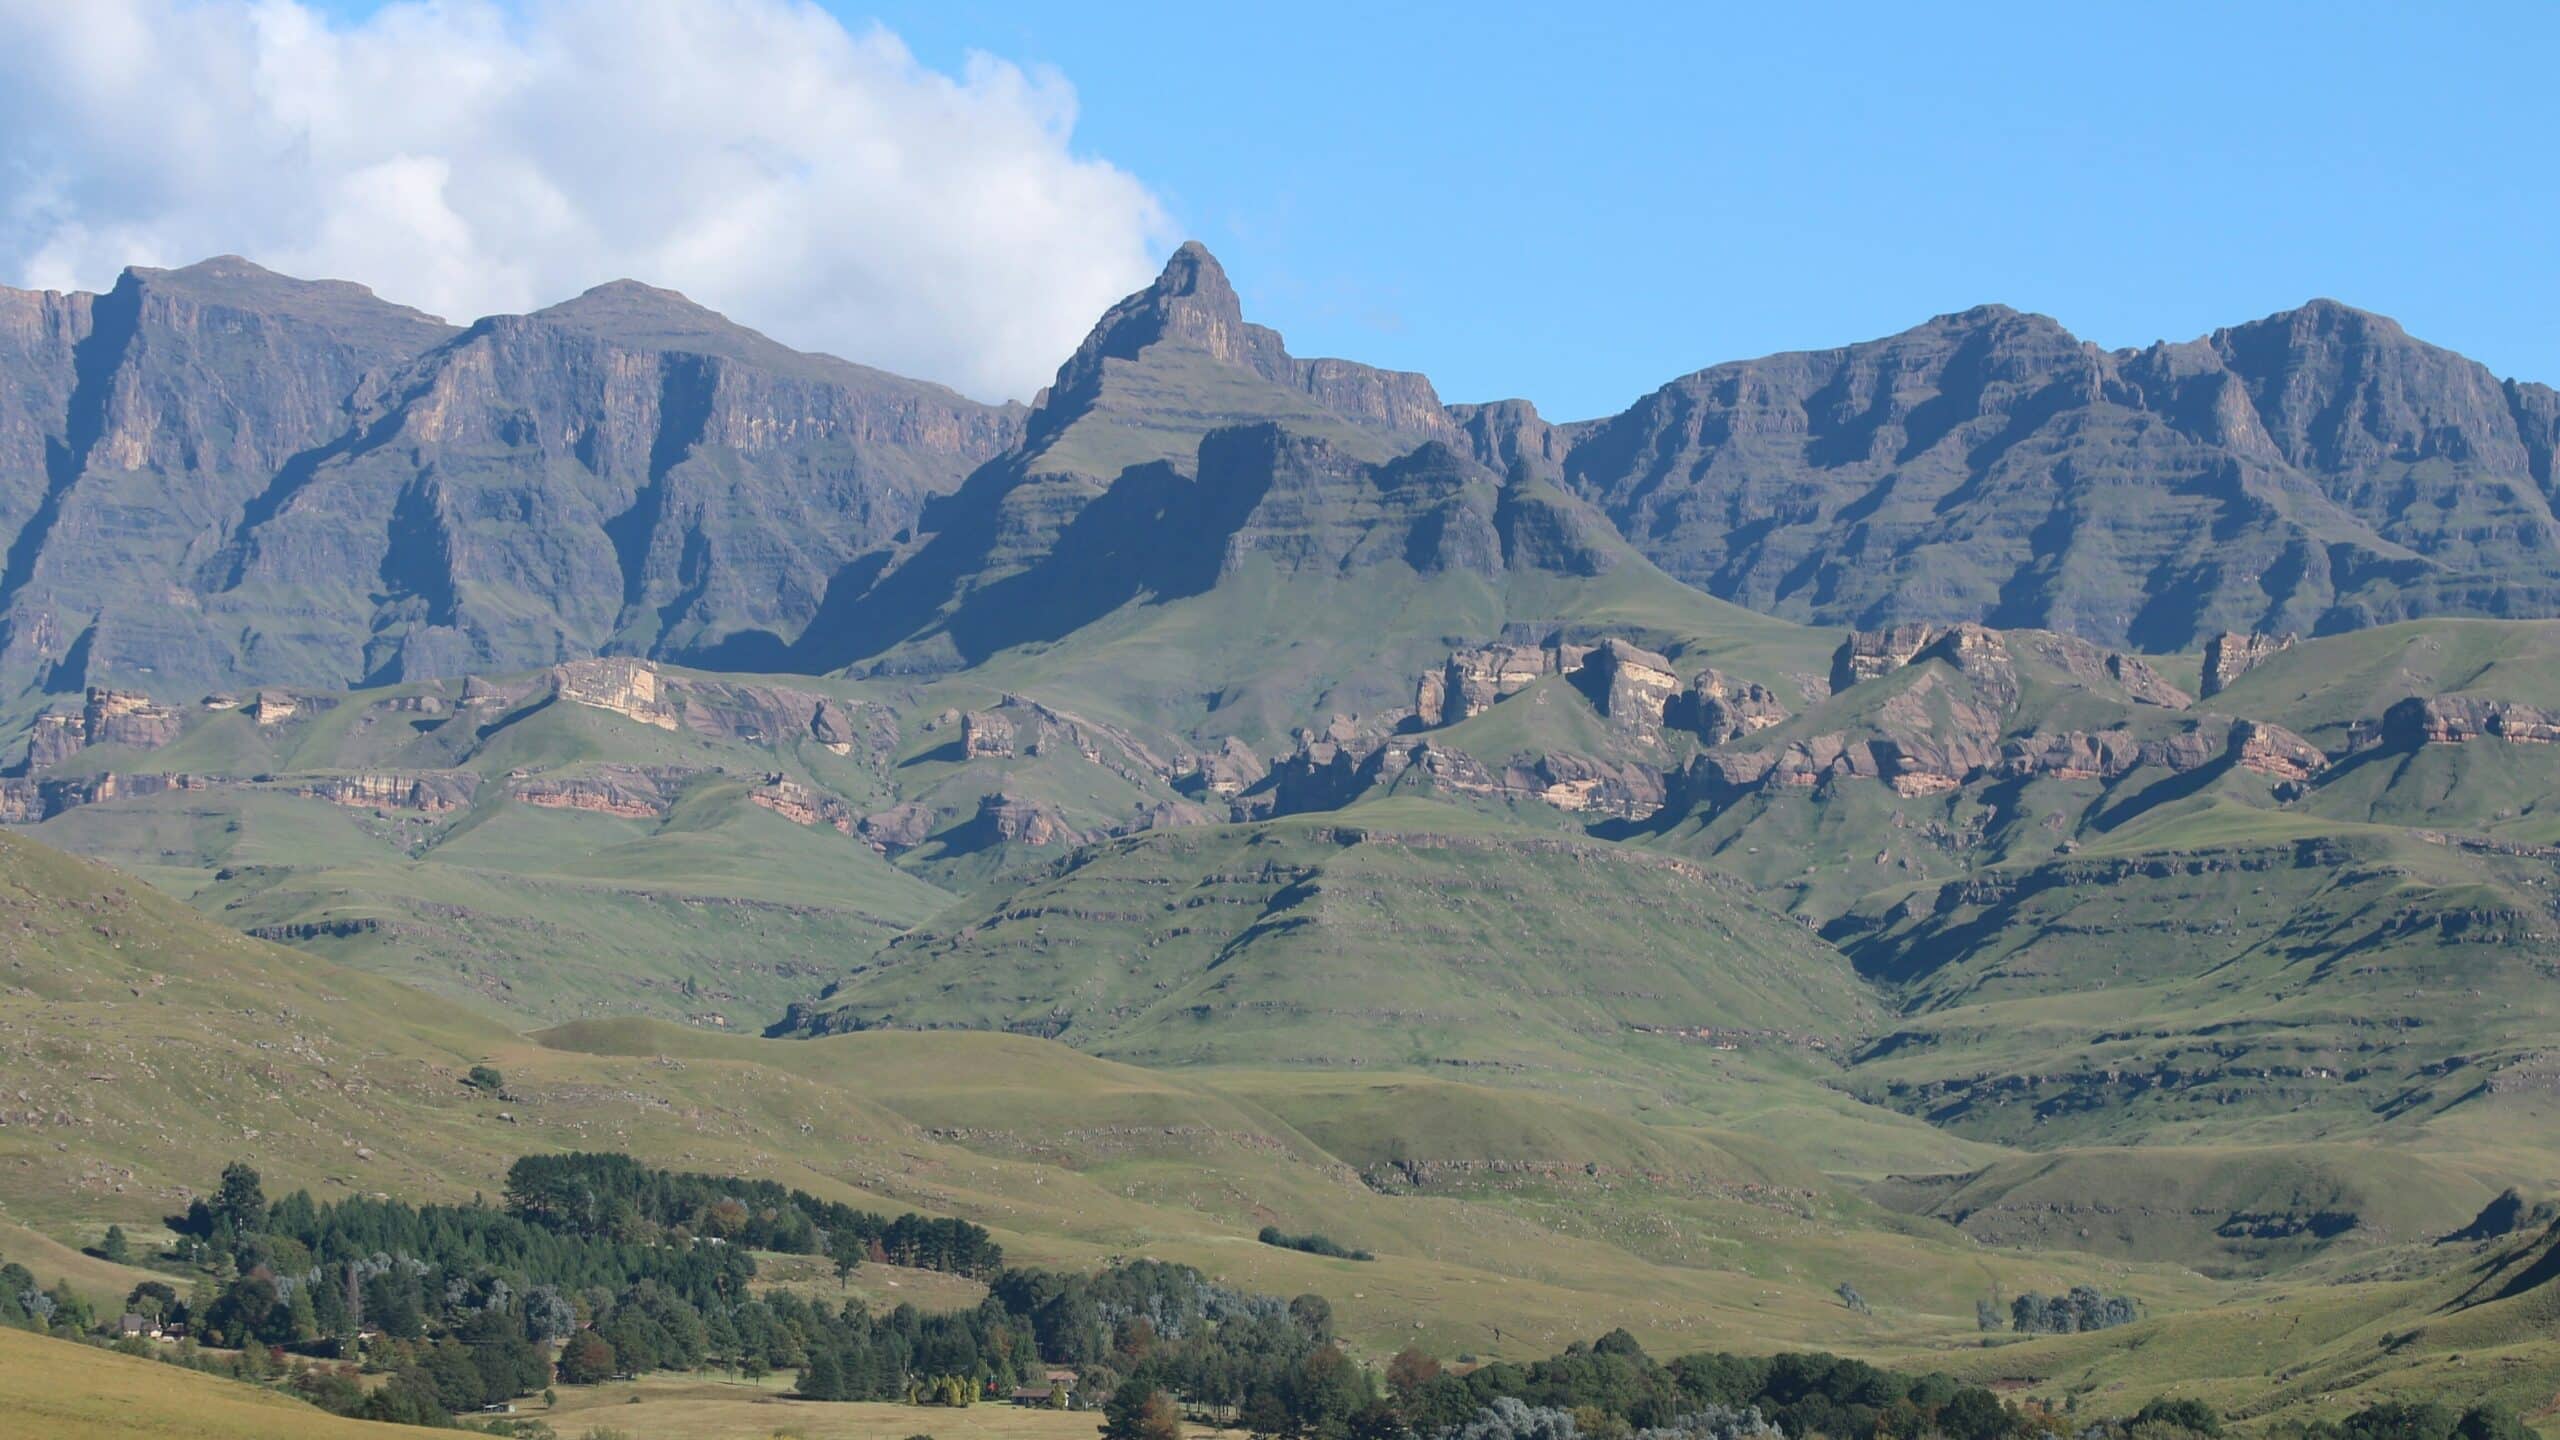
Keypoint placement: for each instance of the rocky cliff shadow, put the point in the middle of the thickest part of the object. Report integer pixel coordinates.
(2164, 791)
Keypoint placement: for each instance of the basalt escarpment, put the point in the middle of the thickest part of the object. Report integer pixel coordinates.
(2314, 471)
(221, 477)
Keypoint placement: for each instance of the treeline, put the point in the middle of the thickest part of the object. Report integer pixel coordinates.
(596, 1266)
(1612, 1390)
(1312, 1244)
(617, 1196)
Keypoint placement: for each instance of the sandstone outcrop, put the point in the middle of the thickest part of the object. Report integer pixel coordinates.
(27, 802)
(1718, 707)
(1473, 679)
(441, 793)
(1015, 820)
(1230, 770)
(276, 707)
(106, 717)
(626, 792)
(985, 736)
(2230, 655)
(1920, 765)
(801, 805)
(1870, 654)
(626, 687)
(2454, 719)
(1630, 685)
(900, 827)
(2274, 751)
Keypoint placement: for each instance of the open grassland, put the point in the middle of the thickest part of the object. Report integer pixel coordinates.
(694, 1408)
(2460, 1326)
(58, 1390)
(151, 1048)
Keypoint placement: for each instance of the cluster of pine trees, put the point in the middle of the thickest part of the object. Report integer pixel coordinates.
(2081, 1310)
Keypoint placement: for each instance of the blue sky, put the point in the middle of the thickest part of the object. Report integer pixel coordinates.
(1577, 202)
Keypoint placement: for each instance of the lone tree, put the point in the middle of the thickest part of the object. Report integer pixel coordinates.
(1140, 1411)
(241, 1199)
(1850, 1297)
(485, 1078)
(115, 1247)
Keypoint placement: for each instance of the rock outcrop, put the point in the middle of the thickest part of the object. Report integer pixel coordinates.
(1473, 679)
(626, 792)
(1630, 685)
(1717, 707)
(28, 802)
(2275, 752)
(1872, 654)
(628, 688)
(1935, 765)
(900, 827)
(2454, 719)
(442, 793)
(1016, 820)
(2230, 655)
(802, 805)
(985, 736)
(107, 717)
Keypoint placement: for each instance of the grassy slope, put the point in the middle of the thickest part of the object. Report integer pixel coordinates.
(521, 910)
(58, 1390)
(2458, 1324)
(151, 1048)
(695, 1408)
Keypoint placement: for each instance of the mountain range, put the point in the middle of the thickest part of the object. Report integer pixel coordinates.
(1965, 811)
(220, 477)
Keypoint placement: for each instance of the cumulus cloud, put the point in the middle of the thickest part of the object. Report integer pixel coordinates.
(815, 182)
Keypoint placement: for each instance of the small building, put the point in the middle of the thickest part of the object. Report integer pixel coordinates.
(1032, 1396)
(135, 1327)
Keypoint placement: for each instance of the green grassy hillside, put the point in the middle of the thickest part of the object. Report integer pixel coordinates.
(58, 1390)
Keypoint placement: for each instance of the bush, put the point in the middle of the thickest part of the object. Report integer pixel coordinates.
(1312, 1244)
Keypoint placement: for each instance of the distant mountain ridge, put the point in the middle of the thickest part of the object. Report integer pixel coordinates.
(2315, 471)
(219, 477)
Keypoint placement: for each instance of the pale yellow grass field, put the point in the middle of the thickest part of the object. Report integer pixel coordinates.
(57, 1390)
(693, 1408)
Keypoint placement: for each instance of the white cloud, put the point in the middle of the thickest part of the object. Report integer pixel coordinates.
(814, 182)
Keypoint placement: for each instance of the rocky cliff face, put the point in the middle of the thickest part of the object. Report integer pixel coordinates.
(2455, 719)
(108, 717)
(2312, 471)
(217, 476)
(134, 451)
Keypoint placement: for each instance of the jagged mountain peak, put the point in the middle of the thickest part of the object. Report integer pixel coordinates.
(1190, 306)
(1192, 270)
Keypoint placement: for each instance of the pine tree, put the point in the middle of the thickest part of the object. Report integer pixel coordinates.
(823, 1379)
(115, 1247)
